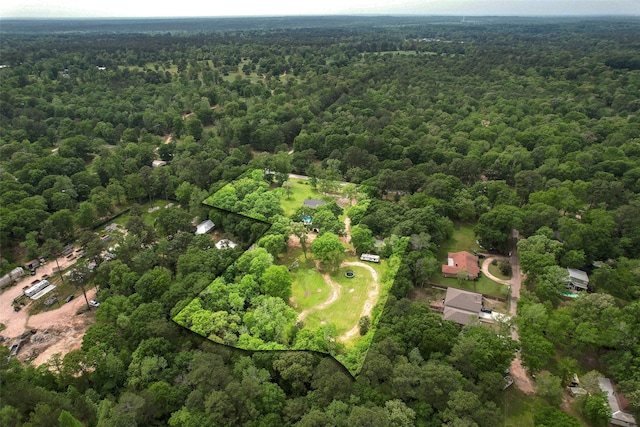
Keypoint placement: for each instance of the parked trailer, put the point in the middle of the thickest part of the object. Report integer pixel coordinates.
(11, 277)
(370, 257)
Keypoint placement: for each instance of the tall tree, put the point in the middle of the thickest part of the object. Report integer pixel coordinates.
(329, 250)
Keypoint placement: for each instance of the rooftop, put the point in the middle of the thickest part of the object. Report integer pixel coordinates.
(464, 300)
(313, 203)
(461, 261)
(205, 227)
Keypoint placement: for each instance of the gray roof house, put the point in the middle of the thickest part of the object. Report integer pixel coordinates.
(578, 279)
(313, 203)
(618, 416)
(462, 306)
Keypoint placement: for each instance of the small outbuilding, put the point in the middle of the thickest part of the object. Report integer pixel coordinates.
(205, 227)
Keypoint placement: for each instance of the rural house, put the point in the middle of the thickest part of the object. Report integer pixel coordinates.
(618, 416)
(461, 262)
(462, 306)
(578, 280)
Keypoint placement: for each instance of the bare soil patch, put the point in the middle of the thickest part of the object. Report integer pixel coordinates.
(57, 331)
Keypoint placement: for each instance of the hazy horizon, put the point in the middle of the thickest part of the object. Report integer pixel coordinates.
(39, 9)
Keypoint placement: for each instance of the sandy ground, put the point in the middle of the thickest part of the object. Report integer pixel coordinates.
(57, 331)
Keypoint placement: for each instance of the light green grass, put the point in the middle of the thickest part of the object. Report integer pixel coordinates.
(483, 285)
(518, 408)
(495, 270)
(300, 190)
(309, 288)
(463, 239)
(345, 312)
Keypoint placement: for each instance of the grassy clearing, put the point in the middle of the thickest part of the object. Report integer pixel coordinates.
(463, 239)
(300, 190)
(345, 312)
(61, 292)
(309, 288)
(518, 408)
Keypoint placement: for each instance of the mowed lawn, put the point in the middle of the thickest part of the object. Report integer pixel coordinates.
(483, 285)
(309, 288)
(345, 312)
(463, 239)
(300, 190)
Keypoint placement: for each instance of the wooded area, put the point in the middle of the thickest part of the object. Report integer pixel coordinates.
(505, 123)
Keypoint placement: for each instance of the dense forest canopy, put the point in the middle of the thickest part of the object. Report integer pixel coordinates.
(502, 123)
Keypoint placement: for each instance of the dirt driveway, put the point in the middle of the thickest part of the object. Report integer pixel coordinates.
(57, 331)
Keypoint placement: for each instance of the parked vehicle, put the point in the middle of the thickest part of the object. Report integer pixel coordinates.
(15, 348)
(486, 310)
(69, 298)
(94, 303)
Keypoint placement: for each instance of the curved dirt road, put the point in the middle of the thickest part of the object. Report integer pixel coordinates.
(372, 299)
(336, 288)
(485, 271)
(333, 297)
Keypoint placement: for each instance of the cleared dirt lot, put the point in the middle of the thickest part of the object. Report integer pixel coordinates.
(59, 330)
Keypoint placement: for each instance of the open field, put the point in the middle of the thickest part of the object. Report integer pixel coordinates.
(309, 288)
(300, 190)
(345, 312)
(518, 408)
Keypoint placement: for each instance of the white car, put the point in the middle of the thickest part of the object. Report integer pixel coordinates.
(94, 303)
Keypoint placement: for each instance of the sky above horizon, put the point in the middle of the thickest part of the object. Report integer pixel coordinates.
(145, 8)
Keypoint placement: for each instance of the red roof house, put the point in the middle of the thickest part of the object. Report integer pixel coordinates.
(461, 261)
